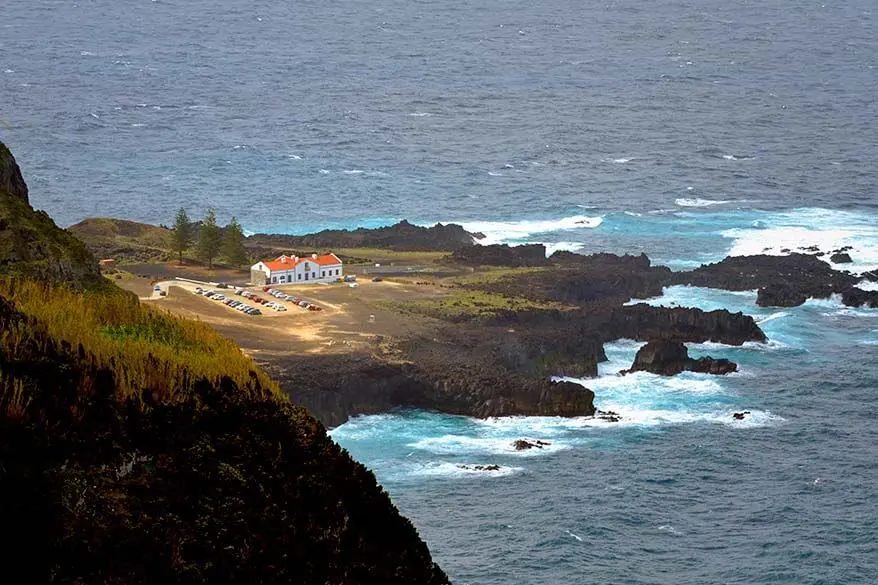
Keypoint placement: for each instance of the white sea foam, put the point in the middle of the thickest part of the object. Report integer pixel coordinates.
(420, 114)
(765, 319)
(447, 469)
(324, 172)
(521, 231)
(463, 444)
(558, 246)
(354, 172)
(294, 157)
(781, 233)
(867, 285)
(698, 202)
(495, 174)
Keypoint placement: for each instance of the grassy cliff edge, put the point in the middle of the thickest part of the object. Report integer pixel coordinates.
(137, 447)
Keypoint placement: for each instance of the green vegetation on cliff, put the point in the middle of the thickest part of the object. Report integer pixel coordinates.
(31, 245)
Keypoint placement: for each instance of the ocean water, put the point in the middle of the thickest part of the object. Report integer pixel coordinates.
(685, 130)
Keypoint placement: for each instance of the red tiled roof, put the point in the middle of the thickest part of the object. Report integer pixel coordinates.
(283, 263)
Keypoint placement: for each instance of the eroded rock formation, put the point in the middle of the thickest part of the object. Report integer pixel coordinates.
(667, 358)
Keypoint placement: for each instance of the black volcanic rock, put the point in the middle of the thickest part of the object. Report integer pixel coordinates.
(336, 388)
(524, 444)
(780, 295)
(841, 258)
(579, 279)
(501, 255)
(804, 273)
(661, 357)
(11, 181)
(856, 297)
(403, 236)
(666, 358)
(644, 322)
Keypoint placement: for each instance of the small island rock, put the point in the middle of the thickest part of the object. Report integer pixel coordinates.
(667, 357)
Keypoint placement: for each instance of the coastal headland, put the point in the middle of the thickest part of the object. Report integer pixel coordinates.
(439, 322)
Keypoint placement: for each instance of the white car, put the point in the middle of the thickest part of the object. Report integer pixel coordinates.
(353, 285)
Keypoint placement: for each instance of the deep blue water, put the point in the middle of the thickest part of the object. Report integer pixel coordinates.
(684, 130)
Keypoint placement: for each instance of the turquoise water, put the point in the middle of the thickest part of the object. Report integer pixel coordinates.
(678, 491)
(684, 130)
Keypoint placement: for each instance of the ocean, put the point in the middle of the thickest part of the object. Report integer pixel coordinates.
(688, 131)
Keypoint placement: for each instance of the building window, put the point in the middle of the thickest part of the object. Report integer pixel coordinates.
(300, 277)
(274, 280)
(313, 275)
(322, 273)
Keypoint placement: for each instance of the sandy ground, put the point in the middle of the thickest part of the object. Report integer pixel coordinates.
(349, 321)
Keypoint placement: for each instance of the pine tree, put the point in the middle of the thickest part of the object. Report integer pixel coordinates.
(233, 244)
(209, 239)
(181, 234)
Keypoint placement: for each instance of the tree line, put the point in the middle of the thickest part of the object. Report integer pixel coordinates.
(210, 241)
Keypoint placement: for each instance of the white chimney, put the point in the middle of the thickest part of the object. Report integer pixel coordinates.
(314, 256)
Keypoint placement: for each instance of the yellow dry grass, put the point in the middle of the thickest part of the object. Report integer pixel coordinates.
(143, 346)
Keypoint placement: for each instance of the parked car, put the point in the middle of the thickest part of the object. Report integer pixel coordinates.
(353, 285)
(156, 288)
(377, 279)
(222, 285)
(256, 312)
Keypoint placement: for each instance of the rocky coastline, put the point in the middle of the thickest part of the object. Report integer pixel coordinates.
(501, 363)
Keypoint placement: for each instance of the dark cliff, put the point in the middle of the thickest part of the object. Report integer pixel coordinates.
(11, 181)
(139, 448)
(223, 484)
(335, 388)
(31, 245)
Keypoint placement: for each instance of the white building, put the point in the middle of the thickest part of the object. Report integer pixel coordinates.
(297, 270)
